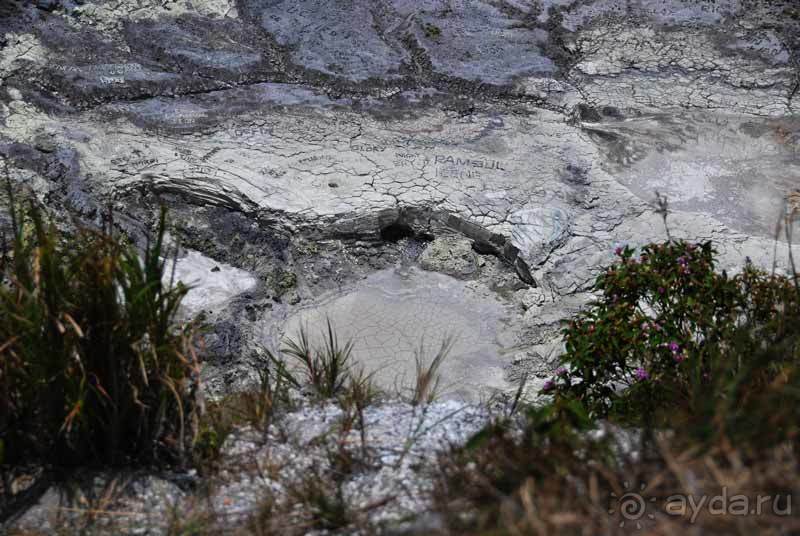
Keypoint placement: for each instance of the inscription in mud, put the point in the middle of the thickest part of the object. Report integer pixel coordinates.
(272, 172)
(452, 172)
(195, 170)
(457, 162)
(317, 159)
(108, 74)
(134, 162)
(368, 148)
(186, 118)
(250, 132)
(206, 157)
(402, 160)
(109, 69)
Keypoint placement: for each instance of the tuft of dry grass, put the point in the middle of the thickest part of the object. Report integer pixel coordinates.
(326, 370)
(95, 369)
(426, 386)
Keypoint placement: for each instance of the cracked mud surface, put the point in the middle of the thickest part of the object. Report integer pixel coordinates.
(393, 312)
(304, 146)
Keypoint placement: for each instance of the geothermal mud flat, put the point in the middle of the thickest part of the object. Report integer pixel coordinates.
(411, 170)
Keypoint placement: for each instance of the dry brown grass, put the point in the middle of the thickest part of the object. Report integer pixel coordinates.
(426, 386)
(587, 496)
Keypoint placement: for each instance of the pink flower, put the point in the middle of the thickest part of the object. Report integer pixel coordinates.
(679, 357)
(674, 347)
(641, 374)
(618, 250)
(549, 385)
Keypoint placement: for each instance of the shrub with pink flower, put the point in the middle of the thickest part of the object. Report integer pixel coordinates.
(652, 318)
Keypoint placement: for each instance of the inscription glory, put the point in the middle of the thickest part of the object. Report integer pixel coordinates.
(466, 162)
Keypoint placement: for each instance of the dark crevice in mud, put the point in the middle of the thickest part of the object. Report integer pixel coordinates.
(793, 91)
(399, 230)
(421, 65)
(43, 93)
(556, 47)
(396, 231)
(423, 224)
(97, 101)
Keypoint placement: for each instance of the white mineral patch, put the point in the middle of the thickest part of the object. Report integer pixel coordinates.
(213, 284)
